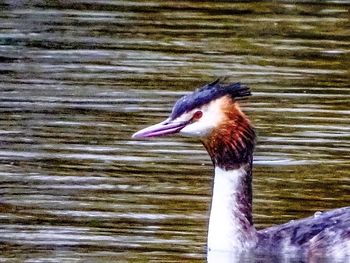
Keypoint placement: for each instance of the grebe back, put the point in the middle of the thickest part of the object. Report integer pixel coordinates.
(213, 115)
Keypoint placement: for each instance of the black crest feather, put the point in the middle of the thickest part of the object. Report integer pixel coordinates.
(207, 93)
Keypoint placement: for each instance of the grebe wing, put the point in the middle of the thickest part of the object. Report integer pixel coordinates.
(324, 234)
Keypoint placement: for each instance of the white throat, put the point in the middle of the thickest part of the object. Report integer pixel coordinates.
(229, 229)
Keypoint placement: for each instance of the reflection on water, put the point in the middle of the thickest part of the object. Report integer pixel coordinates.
(78, 79)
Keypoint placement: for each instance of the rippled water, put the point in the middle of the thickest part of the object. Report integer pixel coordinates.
(78, 78)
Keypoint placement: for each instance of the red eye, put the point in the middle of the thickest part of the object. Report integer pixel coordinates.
(197, 115)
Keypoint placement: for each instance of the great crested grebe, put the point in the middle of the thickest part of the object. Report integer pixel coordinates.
(212, 114)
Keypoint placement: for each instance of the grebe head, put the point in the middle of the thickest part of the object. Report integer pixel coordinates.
(202, 112)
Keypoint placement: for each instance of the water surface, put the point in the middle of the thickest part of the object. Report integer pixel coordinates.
(77, 79)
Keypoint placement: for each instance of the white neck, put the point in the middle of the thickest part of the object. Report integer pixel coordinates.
(229, 228)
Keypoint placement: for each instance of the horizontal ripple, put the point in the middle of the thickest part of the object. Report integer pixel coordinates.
(78, 79)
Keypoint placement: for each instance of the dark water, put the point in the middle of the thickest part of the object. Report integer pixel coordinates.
(79, 77)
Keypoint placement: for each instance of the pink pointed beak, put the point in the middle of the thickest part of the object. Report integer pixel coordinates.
(161, 129)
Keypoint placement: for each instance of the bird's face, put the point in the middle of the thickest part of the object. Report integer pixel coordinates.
(198, 122)
(199, 113)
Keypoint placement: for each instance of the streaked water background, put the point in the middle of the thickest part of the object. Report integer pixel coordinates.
(79, 77)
